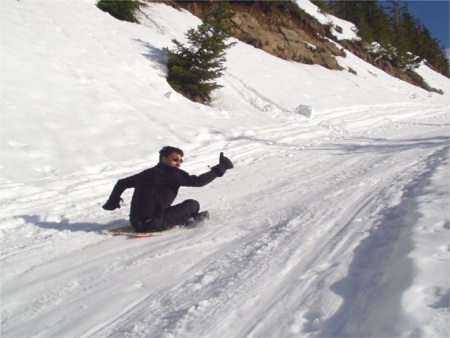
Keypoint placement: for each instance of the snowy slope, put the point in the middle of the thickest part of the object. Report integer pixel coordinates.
(333, 225)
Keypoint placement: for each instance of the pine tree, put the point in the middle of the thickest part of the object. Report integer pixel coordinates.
(405, 41)
(322, 4)
(194, 68)
(121, 9)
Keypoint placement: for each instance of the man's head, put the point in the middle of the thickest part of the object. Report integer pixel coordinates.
(171, 156)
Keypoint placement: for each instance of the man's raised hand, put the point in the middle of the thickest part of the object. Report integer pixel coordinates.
(225, 161)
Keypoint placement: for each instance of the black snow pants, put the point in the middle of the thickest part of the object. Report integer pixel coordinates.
(172, 216)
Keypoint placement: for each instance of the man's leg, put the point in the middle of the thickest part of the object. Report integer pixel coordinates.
(175, 215)
(180, 213)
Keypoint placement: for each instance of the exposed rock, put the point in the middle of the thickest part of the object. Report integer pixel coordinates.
(287, 32)
(380, 62)
(277, 31)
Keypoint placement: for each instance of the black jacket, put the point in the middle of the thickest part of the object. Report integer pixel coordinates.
(156, 188)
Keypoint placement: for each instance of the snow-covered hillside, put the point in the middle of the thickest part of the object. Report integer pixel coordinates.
(330, 225)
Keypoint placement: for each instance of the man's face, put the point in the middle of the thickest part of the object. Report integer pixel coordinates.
(173, 160)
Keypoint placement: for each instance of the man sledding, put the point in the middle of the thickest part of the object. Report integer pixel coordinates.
(156, 188)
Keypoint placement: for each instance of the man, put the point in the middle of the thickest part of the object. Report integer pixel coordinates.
(156, 188)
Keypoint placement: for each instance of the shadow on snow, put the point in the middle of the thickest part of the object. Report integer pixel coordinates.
(66, 224)
(381, 269)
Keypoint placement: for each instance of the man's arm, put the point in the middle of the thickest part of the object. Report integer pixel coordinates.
(216, 171)
(121, 185)
(198, 181)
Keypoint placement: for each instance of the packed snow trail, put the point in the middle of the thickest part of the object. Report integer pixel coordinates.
(300, 250)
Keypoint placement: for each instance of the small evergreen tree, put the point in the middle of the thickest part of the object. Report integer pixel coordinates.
(121, 9)
(322, 4)
(194, 68)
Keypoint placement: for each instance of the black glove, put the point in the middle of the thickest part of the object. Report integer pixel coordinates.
(224, 164)
(110, 205)
(225, 161)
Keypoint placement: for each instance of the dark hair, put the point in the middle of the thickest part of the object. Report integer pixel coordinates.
(167, 150)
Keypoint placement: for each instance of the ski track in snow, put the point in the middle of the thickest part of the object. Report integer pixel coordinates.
(231, 264)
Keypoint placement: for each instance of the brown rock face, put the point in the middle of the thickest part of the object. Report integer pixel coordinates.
(282, 29)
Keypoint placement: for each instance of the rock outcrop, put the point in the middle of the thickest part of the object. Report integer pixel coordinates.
(284, 30)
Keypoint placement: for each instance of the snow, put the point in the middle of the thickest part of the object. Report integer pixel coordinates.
(345, 29)
(333, 223)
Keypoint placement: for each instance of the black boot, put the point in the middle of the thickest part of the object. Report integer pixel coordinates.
(194, 220)
(201, 216)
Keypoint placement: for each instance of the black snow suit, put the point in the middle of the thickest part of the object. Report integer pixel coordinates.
(155, 189)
